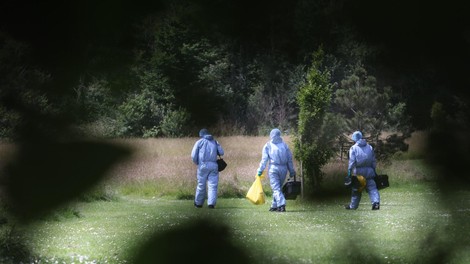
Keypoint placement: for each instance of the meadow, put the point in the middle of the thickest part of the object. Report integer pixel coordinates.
(143, 213)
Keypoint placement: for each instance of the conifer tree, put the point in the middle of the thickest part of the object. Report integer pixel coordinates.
(365, 107)
(313, 142)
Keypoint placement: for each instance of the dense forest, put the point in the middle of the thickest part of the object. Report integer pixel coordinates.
(168, 68)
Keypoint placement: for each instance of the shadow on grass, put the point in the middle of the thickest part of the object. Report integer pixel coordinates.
(202, 241)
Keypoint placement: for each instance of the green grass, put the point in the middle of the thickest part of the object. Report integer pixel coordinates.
(414, 225)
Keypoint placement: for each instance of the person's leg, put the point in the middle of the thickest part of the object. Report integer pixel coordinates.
(274, 182)
(282, 200)
(212, 184)
(200, 189)
(374, 194)
(278, 198)
(355, 199)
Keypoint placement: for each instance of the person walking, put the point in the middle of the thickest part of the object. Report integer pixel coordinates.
(204, 155)
(362, 162)
(279, 156)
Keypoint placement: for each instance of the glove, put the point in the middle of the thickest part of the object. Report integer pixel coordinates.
(260, 173)
(347, 181)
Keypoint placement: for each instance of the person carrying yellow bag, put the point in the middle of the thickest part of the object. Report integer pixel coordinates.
(255, 193)
(279, 156)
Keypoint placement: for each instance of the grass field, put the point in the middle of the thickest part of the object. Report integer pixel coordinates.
(413, 226)
(150, 217)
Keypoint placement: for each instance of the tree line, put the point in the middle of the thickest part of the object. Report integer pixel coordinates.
(234, 66)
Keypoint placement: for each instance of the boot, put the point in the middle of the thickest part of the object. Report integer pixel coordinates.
(375, 206)
(281, 208)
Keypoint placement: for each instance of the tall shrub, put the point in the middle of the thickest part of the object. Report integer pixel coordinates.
(313, 141)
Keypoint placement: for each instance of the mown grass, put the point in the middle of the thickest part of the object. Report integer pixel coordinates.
(411, 227)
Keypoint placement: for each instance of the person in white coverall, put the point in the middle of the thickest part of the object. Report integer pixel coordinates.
(362, 162)
(279, 156)
(204, 155)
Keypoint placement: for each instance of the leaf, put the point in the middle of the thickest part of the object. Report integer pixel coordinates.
(45, 176)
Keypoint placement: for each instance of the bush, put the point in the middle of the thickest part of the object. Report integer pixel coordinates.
(175, 123)
(12, 248)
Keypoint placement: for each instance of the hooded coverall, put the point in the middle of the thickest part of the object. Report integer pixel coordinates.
(204, 155)
(280, 161)
(362, 162)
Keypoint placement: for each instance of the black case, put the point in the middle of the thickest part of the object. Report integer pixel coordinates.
(221, 164)
(381, 181)
(291, 189)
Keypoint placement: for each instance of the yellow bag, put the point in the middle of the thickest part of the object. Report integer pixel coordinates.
(255, 193)
(359, 182)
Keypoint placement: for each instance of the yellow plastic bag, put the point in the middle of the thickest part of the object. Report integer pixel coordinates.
(255, 193)
(362, 182)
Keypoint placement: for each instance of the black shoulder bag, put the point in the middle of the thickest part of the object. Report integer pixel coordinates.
(220, 161)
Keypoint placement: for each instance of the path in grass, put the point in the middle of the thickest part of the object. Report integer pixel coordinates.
(410, 225)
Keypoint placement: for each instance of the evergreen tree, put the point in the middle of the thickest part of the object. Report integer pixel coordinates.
(365, 107)
(313, 144)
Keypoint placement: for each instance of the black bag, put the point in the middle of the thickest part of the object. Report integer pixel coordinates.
(220, 161)
(221, 164)
(291, 189)
(381, 181)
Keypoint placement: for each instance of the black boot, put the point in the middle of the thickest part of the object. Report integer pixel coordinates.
(281, 208)
(348, 207)
(375, 206)
(273, 209)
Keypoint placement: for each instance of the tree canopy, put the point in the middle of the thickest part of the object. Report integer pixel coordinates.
(149, 68)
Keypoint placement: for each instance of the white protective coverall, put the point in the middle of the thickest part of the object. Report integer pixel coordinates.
(279, 156)
(362, 162)
(204, 155)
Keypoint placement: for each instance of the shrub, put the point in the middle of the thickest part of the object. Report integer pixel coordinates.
(12, 248)
(175, 123)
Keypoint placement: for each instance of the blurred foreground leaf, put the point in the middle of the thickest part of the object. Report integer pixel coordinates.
(44, 176)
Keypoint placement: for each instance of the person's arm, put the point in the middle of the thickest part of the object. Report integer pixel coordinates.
(195, 153)
(352, 160)
(220, 150)
(264, 159)
(374, 162)
(351, 166)
(290, 163)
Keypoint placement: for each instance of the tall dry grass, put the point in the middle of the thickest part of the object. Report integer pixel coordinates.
(417, 144)
(402, 168)
(163, 166)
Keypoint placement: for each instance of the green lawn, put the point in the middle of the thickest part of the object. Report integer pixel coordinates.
(414, 225)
